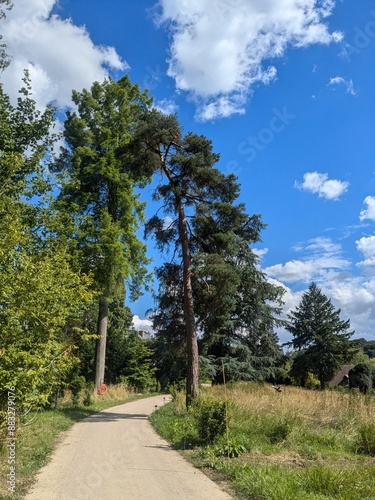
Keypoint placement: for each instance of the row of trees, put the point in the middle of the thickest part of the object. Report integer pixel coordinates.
(69, 225)
(70, 255)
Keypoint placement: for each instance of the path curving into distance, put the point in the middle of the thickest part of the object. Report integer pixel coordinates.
(116, 455)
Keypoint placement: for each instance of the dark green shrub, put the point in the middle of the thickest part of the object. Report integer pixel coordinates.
(361, 377)
(210, 417)
(87, 400)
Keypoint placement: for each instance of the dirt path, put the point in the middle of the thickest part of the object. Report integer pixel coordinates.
(116, 455)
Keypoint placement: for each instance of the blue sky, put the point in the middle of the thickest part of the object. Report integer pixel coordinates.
(284, 89)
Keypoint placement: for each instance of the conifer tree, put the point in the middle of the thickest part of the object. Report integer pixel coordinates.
(320, 337)
(210, 236)
(98, 191)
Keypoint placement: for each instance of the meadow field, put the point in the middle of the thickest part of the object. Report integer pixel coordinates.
(288, 445)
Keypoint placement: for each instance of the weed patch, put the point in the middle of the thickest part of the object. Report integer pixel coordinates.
(366, 439)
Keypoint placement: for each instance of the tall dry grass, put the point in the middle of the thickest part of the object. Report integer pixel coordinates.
(116, 393)
(320, 408)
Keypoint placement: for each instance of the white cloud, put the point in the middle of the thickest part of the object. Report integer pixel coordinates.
(260, 252)
(166, 106)
(339, 80)
(369, 212)
(323, 263)
(322, 258)
(59, 55)
(315, 182)
(292, 271)
(142, 324)
(366, 245)
(220, 49)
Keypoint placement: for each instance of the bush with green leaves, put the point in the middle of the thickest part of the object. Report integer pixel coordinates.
(361, 377)
(210, 415)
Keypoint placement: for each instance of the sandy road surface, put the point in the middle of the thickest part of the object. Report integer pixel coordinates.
(116, 455)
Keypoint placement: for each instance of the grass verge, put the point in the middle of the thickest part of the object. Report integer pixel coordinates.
(298, 444)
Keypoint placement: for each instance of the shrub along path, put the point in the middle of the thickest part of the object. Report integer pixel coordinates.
(116, 454)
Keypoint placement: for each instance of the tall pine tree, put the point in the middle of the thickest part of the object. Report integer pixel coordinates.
(213, 267)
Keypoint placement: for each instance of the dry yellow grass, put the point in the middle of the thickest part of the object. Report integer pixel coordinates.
(318, 407)
(115, 393)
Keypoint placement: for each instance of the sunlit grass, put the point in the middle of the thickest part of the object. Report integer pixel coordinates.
(300, 444)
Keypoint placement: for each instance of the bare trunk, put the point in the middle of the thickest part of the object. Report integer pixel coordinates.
(101, 342)
(191, 335)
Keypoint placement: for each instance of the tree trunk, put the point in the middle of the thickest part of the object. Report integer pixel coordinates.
(101, 341)
(191, 335)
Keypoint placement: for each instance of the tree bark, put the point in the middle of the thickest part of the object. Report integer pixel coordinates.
(101, 341)
(191, 335)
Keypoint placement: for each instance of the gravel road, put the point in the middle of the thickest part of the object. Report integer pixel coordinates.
(116, 455)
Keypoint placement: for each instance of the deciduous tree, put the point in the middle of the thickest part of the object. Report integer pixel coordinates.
(41, 296)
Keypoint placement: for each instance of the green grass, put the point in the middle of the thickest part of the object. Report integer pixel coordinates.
(39, 433)
(305, 445)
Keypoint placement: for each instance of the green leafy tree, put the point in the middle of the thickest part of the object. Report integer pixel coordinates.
(41, 296)
(320, 337)
(98, 191)
(42, 299)
(138, 370)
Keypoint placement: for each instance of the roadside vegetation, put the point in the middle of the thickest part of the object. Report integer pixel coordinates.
(40, 431)
(297, 443)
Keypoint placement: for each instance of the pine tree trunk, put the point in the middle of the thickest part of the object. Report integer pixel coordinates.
(101, 341)
(191, 335)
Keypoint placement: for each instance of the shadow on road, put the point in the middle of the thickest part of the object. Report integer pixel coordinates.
(112, 417)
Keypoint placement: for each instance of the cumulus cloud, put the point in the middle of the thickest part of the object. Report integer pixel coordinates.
(322, 262)
(319, 183)
(348, 84)
(166, 106)
(366, 245)
(320, 257)
(220, 49)
(142, 324)
(369, 211)
(59, 55)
